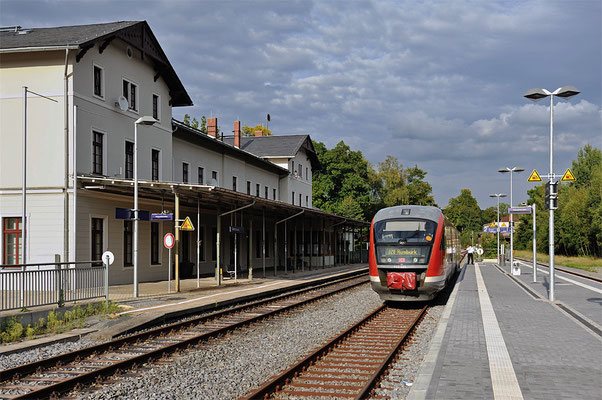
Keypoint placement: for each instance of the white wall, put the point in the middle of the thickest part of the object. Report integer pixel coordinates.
(101, 114)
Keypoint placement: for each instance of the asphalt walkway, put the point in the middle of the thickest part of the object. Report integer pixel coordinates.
(500, 338)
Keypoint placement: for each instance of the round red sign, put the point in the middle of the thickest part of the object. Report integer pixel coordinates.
(168, 240)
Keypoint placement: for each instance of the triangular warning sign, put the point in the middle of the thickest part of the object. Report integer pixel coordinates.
(534, 177)
(187, 225)
(568, 176)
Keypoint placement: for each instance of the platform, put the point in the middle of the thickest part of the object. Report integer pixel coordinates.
(500, 338)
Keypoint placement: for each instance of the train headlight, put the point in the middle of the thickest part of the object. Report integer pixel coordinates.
(415, 260)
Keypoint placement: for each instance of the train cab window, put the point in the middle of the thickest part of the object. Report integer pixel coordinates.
(404, 241)
(442, 245)
(404, 231)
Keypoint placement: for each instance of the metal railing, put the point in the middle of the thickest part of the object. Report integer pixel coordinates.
(31, 285)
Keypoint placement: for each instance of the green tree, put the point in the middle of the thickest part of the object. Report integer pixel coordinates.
(192, 123)
(344, 176)
(464, 212)
(419, 191)
(249, 131)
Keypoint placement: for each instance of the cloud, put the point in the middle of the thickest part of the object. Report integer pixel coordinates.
(438, 84)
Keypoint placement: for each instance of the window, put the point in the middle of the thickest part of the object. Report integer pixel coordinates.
(292, 166)
(293, 199)
(257, 190)
(300, 171)
(130, 93)
(13, 242)
(214, 180)
(185, 172)
(266, 192)
(248, 187)
(155, 165)
(306, 201)
(129, 160)
(214, 244)
(127, 243)
(306, 174)
(201, 175)
(274, 193)
(300, 199)
(155, 107)
(97, 239)
(155, 243)
(257, 244)
(202, 244)
(98, 81)
(97, 149)
(234, 179)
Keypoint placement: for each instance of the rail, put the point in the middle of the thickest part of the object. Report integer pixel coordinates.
(33, 285)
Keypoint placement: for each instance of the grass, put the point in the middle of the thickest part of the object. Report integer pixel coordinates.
(591, 264)
(13, 330)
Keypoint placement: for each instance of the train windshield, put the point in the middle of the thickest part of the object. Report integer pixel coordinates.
(404, 241)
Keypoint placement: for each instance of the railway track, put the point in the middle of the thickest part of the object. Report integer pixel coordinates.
(54, 376)
(350, 365)
(593, 278)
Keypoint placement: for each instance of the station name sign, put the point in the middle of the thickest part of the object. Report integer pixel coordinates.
(520, 210)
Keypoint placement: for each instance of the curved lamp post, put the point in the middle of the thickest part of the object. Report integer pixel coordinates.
(536, 95)
(503, 171)
(146, 120)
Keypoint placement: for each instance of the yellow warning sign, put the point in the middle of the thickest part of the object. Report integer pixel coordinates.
(534, 177)
(568, 176)
(187, 225)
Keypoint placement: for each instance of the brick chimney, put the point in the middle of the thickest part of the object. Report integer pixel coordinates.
(212, 127)
(237, 134)
(258, 133)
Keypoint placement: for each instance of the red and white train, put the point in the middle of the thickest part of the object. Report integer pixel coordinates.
(414, 252)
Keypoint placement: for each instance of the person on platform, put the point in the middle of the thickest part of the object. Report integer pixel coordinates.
(470, 250)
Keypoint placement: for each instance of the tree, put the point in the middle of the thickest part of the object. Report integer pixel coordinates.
(464, 212)
(343, 183)
(248, 131)
(393, 185)
(195, 123)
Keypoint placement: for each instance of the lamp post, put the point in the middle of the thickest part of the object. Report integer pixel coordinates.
(536, 95)
(146, 120)
(503, 171)
(498, 195)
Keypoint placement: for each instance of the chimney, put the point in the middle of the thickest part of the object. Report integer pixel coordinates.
(258, 133)
(212, 127)
(237, 134)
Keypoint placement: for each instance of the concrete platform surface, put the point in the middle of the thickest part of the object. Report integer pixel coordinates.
(500, 338)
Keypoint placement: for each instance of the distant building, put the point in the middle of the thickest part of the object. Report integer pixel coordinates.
(80, 163)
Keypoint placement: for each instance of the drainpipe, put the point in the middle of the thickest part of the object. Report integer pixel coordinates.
(66, 140)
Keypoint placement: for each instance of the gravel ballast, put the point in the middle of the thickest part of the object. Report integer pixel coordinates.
(230, 366)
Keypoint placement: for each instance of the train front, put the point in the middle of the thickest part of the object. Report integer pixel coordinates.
(407, 252)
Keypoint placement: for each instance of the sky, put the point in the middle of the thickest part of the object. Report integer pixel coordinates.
(438, 84)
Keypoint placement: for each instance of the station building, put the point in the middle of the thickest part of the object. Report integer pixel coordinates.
(75, 94)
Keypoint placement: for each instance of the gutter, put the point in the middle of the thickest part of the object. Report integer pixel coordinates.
(41, 48)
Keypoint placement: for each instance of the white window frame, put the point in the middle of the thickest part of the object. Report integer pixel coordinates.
(182, 170)
(131, 82)
(160, 164)
(235, 178)
(102, 82)
(104, 150)
(204, 175)
(160, 265)
(216, 176)
(105, 235)
(158, 106)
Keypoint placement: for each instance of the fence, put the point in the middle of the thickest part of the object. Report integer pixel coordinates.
(31, 285)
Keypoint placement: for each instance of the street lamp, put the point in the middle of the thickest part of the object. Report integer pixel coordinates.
(503, 171)
(146, 120)
(535, 95)
(498, 195)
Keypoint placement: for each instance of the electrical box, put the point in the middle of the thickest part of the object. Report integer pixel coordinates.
(551, 202)
(551, 189)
